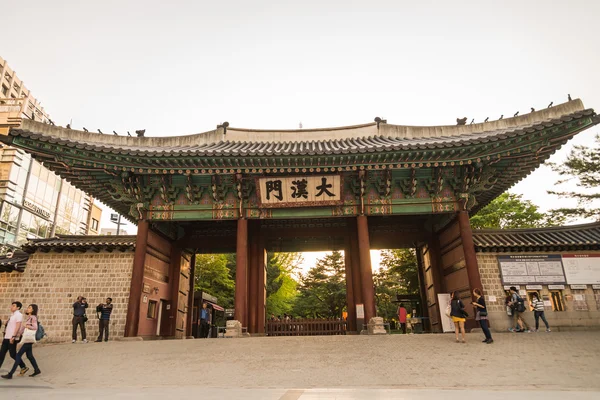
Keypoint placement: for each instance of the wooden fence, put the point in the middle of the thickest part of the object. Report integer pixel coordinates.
(306, 327)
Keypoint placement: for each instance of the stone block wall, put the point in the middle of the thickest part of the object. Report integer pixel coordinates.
(54, 280)
(577, 313)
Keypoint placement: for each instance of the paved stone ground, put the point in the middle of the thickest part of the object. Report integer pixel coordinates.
(516, 361)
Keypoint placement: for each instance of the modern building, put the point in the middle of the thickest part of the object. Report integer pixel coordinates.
(113, 231)
(11, 87)
(35, 202)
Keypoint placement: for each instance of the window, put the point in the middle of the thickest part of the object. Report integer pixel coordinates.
(557, 300)
(94, 224)
(4, 90)
(151, 309)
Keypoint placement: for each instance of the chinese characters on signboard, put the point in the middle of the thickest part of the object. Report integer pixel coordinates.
(525, 269)
(300, 191)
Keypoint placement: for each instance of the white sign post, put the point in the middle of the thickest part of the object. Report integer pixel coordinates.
(443, 301)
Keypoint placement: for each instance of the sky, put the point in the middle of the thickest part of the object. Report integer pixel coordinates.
(182, 67)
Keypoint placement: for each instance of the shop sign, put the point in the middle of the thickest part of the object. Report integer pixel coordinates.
(34, 208)
(508, 287)
(146, 288)
(556, 287)
(531, 269)
(300, 191)
(534, 287)
(596, 287)
(579, 287)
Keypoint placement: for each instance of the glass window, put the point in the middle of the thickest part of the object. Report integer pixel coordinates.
(557, 301)
(151, 309)
(94, 224)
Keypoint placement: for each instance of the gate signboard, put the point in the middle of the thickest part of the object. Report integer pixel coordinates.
(300, 191)
(531, 269)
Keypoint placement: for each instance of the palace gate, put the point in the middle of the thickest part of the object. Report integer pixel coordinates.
(353, 188)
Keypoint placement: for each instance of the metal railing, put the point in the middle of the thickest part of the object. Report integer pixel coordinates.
(306, 327)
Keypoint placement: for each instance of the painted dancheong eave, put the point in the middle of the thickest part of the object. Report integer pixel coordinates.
(386, 169)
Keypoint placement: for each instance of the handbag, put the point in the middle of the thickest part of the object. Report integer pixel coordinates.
(28, 336)
(85, 318)
(483, 313)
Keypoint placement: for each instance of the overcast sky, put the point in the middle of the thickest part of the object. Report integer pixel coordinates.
(182, 67)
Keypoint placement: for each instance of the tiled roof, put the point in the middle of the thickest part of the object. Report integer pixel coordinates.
(368, 144)
(576, 237)
(16, 262)
(81, 243)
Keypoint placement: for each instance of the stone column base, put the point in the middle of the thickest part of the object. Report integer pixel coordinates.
(375, 326)
(233, 329)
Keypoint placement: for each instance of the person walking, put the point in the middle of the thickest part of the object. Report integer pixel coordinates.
(402, 317)
(457, 313)
(104, 320)
(481, 315)
(538, 311)
(79, 318)
(9, 343)
(518, 308)
(27, 348)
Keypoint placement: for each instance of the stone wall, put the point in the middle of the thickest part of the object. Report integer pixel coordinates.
(577, 314)
(54, 280)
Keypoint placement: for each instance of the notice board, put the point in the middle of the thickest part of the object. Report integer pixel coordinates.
(531, 269)
(582, 269)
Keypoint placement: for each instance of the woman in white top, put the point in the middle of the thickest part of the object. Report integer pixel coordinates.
(538, 311)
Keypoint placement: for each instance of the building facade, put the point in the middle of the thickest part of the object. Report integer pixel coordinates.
(34, 201)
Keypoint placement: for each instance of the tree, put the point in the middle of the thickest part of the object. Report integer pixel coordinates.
(281, 285)
(322, 290)
(583, 167)
(510, 211)
(213, 276)
(398, 275)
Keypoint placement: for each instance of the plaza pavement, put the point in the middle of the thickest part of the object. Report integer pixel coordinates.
(327, 367)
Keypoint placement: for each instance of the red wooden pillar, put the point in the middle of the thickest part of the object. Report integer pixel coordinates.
(190, 299)
(350, 303)
(366, 274)
(241, 273)
(137, 279)
(356, 278)
(253, 272)
(174, 276)
(261, 295)
(466, 236)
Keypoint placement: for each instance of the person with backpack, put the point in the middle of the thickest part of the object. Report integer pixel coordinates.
(538, 311)
(27, 348)
(517, 304)
(458, 315)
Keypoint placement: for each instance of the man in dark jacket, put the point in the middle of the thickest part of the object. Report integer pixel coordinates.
(79, 318)
(104, 319)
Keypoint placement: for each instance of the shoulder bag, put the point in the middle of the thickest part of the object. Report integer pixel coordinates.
(28, 336)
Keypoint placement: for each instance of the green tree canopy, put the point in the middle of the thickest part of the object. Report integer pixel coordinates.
(398, 275)
(281, 285)
(510, 211)
(322, 290)
(582, 167)
(213, 276)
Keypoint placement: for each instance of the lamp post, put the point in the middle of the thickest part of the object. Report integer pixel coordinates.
(116, 218)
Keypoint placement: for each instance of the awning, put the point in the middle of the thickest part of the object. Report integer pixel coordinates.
(215, 306)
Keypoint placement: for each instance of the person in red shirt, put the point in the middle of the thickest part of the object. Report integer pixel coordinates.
(402, 317)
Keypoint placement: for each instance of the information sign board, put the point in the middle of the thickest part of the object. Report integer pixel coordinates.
(531, 269)
(582, 269)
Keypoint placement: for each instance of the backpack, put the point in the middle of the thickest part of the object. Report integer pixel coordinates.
(520, 304)
(40, 333)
